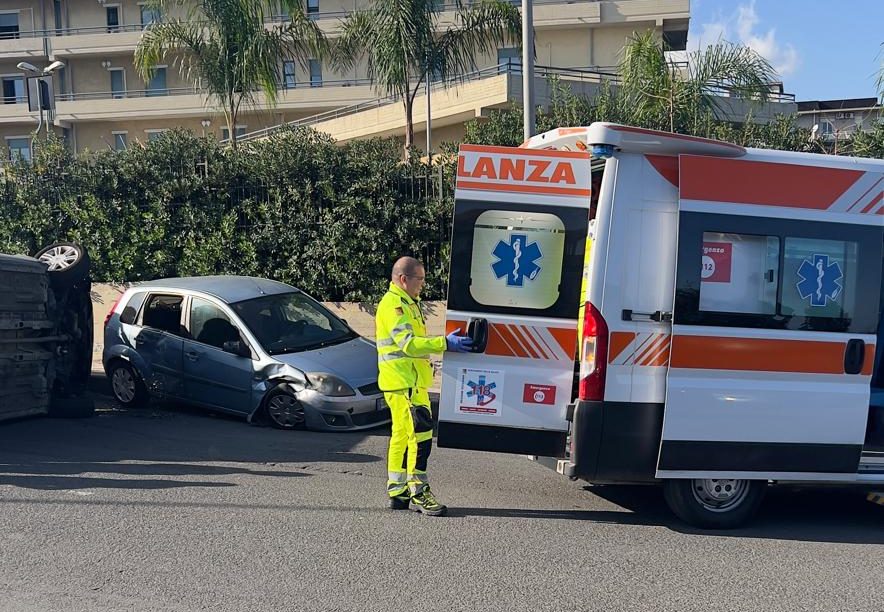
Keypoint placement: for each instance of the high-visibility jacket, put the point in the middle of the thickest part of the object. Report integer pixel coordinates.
(403, 348)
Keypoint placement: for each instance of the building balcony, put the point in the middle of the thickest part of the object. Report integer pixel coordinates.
(102, 39)
(481, 92)
(191, 102)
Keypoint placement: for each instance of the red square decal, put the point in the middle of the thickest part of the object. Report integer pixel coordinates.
(539, 394)
(716, 262)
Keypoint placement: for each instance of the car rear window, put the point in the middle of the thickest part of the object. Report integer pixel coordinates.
(130, 312)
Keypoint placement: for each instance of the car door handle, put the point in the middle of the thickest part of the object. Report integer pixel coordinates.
(854, 356)
(192, 355)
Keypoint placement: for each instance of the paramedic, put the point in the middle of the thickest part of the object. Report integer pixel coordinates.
(405, 374)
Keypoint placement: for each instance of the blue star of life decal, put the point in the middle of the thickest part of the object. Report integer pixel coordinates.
(516, 260)
(482, 391)
(820, 280)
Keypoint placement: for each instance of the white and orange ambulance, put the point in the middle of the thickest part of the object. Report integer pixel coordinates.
(723, 304)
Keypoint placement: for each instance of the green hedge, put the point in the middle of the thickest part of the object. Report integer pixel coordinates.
(297, 208)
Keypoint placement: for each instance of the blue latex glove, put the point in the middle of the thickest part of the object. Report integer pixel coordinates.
(457, 343)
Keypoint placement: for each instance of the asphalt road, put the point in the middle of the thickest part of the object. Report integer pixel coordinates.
(173, 509)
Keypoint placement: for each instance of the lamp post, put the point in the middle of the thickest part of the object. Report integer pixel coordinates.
(205, 123)
(44, 97)
(528, 68)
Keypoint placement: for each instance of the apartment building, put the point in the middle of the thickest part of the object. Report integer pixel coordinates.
(102, 103)
(839, 119)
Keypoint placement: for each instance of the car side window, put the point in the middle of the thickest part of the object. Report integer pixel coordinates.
(210, 325)
(163, 312)
(130, 312)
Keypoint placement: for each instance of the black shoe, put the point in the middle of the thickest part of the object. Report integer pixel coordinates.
(399, 502)
(426, 503)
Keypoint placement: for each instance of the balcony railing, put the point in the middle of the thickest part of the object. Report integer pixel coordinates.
(509, 68)
(192, 90)
(321, 15)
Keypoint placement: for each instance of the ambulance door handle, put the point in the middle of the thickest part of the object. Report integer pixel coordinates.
(657, 316)
(854, 356)
(477, 330)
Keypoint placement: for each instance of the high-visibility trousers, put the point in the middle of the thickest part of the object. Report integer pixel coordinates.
(411, 440)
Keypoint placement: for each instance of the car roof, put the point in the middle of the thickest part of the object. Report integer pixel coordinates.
(229, 289)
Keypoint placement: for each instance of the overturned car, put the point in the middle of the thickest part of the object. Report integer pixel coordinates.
(45, 333)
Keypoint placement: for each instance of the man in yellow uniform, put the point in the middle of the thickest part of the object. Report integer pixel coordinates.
(406, 373)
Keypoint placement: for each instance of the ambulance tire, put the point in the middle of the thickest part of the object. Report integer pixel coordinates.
(714, 504)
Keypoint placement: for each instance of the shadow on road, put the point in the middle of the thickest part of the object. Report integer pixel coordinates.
(833, 515)
(161, 440)
(67, 483)
(822, 514)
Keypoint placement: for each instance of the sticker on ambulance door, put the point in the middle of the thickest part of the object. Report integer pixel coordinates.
(481, 392)
(517, 259)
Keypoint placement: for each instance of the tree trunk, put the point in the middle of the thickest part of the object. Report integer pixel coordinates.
(409, 125)
(231, 123)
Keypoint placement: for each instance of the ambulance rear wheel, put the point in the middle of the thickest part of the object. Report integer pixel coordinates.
(720, 503)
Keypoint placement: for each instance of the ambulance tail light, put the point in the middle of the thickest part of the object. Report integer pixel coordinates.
(594, 355)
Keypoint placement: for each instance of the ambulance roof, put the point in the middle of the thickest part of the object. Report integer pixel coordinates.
(652, 142)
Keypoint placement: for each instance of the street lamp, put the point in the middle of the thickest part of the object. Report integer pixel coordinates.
(527, 68)
(43, 91)
(205, 123)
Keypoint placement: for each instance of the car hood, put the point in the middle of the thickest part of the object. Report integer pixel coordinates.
(354, 361)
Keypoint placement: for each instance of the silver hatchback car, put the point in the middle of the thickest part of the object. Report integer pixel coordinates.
(242, 345)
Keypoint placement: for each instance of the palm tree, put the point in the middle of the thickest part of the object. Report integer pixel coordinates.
(402, 44)
(225, 47)
(662, 92)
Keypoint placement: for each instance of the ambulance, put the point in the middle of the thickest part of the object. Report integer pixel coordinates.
(649, 307)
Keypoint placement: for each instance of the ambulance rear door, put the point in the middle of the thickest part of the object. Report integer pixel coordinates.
(517, 254)
(776, 307)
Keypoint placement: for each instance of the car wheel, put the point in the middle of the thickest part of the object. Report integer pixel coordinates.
(714, 503)
(283, 410)
(68, 263)
(126, 386)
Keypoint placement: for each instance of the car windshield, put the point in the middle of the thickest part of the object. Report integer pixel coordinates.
(292, 322)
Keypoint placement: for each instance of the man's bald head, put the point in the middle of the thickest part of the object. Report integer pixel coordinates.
(408, 275)
(408, 266)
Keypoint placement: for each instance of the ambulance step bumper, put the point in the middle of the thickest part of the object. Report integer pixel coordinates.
(560, 466)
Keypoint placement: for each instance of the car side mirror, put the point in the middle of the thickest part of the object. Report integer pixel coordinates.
(237, 347)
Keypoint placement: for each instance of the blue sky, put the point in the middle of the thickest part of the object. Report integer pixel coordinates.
(823, 49)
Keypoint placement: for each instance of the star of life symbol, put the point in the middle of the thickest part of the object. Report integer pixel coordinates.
(516, 260)
(820, 280)
(482, 391)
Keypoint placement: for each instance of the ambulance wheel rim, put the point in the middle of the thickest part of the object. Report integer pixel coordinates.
(720, 495)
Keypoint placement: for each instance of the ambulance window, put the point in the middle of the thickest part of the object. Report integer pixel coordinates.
(517, 258)
(739, 273)
(820, 278)
(510, 250)
(742, 271)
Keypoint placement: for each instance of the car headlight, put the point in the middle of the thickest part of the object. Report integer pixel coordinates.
(326, 384)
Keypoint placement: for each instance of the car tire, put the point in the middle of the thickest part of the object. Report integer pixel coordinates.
(73, 407)
(283, 410)
(714, 504)
(126, 385)
(68, 263)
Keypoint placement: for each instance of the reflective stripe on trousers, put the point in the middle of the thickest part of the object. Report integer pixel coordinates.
(411, 440)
